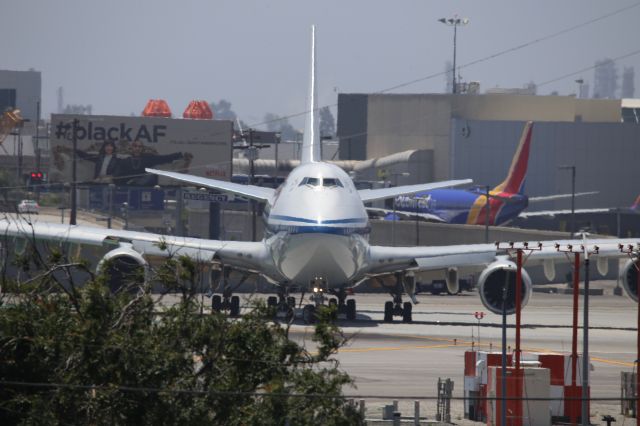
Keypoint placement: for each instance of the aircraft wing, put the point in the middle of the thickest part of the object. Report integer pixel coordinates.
(243, 255)
(382, 193)
(251, 191)
(376, 212)
(526, 214)
(384, 259)
(560, 196)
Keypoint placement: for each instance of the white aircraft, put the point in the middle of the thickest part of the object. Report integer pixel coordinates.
(316, 239)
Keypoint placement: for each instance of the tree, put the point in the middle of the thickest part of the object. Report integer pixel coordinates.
(222, 110)
(327, 122)
(275, 123)
(90, 356)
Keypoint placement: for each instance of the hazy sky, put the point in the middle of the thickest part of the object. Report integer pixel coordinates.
(117, 54)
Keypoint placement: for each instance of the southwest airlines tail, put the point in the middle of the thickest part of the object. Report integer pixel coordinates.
(311, 140)
(514, 182)
(636, 204)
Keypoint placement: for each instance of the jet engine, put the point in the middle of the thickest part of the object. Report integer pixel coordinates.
(124, 268)
(453, 285)
(497, 285)
(629, 278)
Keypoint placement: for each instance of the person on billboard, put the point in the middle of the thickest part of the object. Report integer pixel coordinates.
(106, 161)
(130, 169)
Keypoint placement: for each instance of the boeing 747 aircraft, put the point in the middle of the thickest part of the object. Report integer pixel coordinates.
(316, 239)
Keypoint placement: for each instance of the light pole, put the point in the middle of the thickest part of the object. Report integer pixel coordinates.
(572, 228)
(579, 82)
(454, 22)
(395, 175)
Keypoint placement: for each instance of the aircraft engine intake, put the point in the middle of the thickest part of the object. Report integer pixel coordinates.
(124, 268)
(629, 278)
(497, 276)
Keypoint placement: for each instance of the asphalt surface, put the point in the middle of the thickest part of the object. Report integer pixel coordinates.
(404, 361)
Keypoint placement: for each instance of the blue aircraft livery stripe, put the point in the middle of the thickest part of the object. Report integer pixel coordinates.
(316, 222)
(292, 229)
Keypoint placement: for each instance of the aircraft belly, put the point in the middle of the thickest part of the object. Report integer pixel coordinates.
(334, 258)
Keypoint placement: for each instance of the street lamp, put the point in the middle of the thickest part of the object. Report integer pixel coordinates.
(454, 22)
(573, 196)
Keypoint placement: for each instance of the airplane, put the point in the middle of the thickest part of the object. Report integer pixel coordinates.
(469, 206)
(316, 240)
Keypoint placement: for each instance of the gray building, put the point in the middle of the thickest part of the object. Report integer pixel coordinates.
(475, 136)
(22, 90)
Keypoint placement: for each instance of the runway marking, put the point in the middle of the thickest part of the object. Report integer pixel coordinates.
(393, 348)
(462, 344)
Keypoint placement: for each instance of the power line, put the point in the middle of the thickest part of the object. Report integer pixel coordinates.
(478, 61)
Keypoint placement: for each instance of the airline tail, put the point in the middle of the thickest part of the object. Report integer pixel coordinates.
(311, 140)
(514, 182)
(636, 204)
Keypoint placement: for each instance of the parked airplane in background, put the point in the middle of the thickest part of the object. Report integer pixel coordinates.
(469, 206)
(316, 240)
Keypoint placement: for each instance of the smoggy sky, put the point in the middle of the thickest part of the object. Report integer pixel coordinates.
(117, 54)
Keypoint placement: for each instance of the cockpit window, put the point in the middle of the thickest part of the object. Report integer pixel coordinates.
(331, 182)
(311, 181)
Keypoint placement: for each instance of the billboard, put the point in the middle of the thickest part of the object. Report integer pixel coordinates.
(117, 149)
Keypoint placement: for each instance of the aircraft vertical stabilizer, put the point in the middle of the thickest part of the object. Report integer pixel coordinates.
(636, 204)
(514, 182)
(311, 141)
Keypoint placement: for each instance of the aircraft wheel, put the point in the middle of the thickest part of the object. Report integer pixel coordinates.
(388, 311)
(216, 303)
(351, 309)
(406, 312)
(291, 302)
(234, 309)
(272, 301)
(290, 314)
(309, 314)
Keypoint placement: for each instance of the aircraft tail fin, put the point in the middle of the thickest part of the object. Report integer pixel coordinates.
(636, 204)
(514, 182)
(311, 140)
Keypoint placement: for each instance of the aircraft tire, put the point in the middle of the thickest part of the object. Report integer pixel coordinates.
(406, 312)
(351, 309)
(272, 301)
(309, 314)
(234, 309)
(216, 303)
(388, 311)
(291, 302)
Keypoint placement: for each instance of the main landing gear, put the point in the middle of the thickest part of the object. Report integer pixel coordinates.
(342, 305)
(283, 303)
(396, 307)
(227, 301)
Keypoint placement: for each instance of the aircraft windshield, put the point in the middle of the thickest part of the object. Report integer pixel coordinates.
(326, 182)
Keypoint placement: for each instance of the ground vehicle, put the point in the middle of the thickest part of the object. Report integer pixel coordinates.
(28, 206)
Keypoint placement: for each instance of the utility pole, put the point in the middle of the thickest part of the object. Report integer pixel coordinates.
(572, 228)
(74, 178)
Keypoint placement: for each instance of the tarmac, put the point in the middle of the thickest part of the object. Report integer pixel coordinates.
(397, 361)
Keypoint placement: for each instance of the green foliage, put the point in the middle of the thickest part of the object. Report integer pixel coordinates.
(96, 357)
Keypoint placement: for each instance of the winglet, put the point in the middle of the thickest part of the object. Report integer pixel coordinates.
(311, 140)
(514, 182)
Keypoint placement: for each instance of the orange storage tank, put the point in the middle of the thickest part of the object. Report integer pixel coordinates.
(156, 108)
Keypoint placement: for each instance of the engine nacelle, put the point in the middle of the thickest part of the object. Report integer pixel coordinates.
(453, 285)
(125, 268)
(492, 281)
(629, 278)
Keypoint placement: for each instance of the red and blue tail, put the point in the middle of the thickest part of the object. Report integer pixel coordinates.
(636, 204)
(514, 182)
